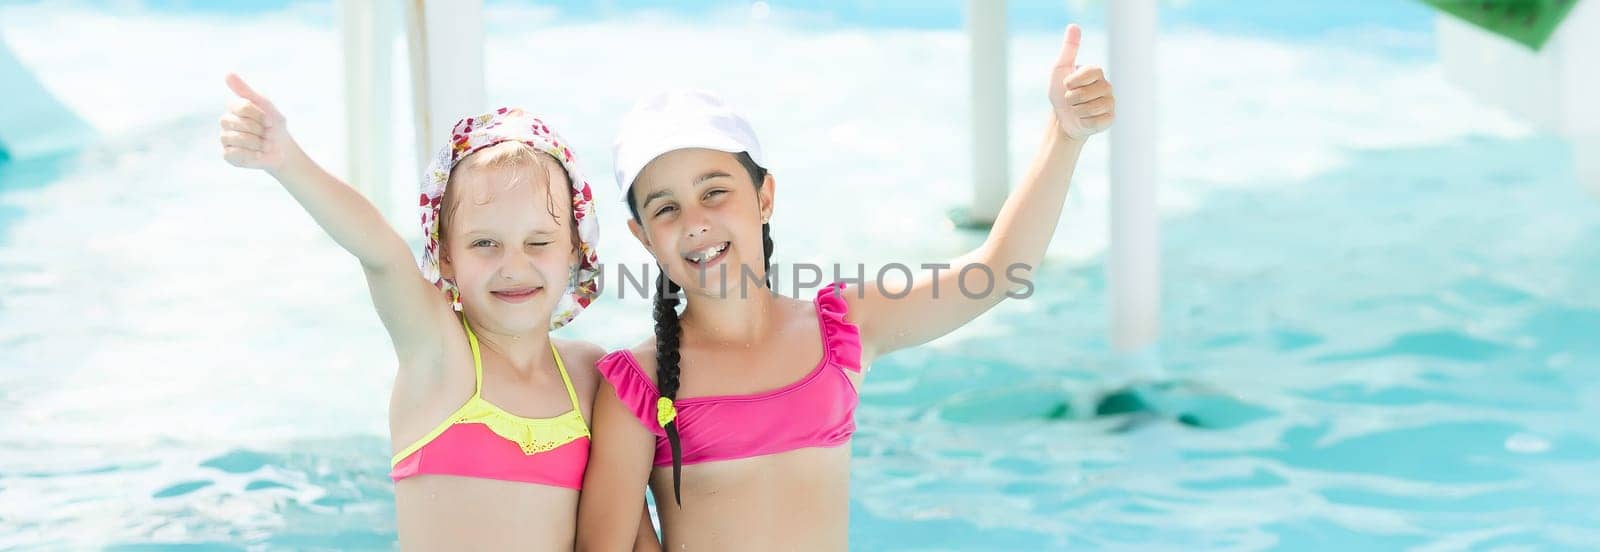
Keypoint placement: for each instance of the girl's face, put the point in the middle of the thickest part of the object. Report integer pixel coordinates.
(509, 247)
(700, 216)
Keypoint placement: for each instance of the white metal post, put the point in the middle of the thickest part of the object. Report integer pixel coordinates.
(986, 29)
(447, 71)
(1134, 262)
(368, 30)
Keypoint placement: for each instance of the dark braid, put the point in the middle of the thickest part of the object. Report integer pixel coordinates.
(669, 328)
(766, 247)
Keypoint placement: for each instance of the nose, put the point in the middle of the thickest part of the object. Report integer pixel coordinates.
(696, 225)
(516, 265)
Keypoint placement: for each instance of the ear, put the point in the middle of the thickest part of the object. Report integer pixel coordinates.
(764, 197)
(447, 270)
(638, 233)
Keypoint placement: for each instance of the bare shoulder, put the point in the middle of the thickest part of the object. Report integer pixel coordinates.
(804, 307)
(582, 357)
(579, 357)
(579, 349)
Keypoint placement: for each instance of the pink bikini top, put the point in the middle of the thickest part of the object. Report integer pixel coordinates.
(484, 441)
(817, 411)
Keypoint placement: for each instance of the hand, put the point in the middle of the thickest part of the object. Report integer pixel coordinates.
(1080, 95)
(254, 134)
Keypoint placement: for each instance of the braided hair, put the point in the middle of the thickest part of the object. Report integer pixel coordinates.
(669, 332)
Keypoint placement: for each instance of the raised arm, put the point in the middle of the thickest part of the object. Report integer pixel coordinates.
(255, 136)
(892, 316)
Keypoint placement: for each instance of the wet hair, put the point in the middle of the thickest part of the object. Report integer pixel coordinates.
(505, 155)
(669, 331)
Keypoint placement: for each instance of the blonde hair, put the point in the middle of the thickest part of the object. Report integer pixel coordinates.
(510, 154)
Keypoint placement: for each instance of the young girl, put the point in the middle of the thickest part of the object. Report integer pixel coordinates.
(739, 412)
(488, 413)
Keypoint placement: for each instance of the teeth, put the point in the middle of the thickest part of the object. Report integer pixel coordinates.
(706, 254)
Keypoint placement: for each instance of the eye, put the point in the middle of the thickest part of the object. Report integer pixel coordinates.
(483, 243)
(715, 193)
(666, 209)
(540, 244)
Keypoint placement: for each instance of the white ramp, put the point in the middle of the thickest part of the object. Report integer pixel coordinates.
(32, 122)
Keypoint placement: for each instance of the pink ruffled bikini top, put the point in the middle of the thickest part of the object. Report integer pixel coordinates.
(816, 411)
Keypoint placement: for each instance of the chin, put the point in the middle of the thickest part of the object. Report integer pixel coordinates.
(731, 284)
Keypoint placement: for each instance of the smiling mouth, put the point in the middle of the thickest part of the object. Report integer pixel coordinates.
(707, 256)
(516, 295)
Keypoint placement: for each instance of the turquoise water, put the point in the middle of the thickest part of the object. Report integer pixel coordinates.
(1381, 324)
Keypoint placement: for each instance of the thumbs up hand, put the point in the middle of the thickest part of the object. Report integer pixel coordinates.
(1080, 94)
(254, 134)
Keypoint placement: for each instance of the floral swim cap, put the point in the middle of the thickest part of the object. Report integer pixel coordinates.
(505, 125)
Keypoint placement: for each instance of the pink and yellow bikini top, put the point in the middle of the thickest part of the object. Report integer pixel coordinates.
(482, 440)
(817, 411)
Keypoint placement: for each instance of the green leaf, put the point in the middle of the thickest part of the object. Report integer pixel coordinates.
(1527, 22)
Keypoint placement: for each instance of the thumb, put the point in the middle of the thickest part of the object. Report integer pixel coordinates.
(1068, 58)
(243, 90)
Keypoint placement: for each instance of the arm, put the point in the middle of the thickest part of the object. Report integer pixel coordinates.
(935, 305)
(646, 541)
(620, 455)
(254, 135)
(587, 354)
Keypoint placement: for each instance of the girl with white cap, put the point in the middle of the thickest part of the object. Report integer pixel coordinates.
(739, 412)
(488, 424)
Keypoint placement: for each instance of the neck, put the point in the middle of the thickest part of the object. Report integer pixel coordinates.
(526, 354)
(731, 320)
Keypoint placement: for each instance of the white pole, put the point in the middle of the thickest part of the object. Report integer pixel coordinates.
(1133, 268)
(368, 30)
(986, 27)
(1574, 44)
(446, 47)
